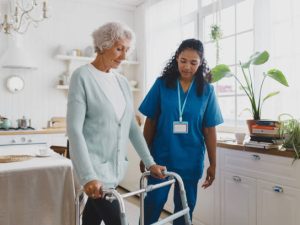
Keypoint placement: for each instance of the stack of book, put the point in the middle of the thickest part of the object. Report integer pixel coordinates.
(265, 134)
(261, 144)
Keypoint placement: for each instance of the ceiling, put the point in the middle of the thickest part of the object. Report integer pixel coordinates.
(129, 4)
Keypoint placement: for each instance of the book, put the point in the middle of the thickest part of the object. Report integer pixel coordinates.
(257, 144)
(263, 138)
(256, 126)
(277, 135)
(268, 123)
(265, 131)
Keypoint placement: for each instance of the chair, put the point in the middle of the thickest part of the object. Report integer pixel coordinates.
(62, 150)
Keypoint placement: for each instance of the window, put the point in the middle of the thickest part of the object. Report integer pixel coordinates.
(168, 23)
(236, 44)
(248, 26)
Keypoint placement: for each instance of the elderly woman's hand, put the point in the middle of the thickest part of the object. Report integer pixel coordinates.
(93, 189)
(157, 171)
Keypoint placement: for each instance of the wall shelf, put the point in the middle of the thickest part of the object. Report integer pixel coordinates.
(62, 87)
(66, 87)
(89, 59)
(69, 60)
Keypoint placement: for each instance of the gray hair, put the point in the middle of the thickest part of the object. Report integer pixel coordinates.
(106, 35)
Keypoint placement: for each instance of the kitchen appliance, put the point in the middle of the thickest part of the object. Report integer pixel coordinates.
(24, 123)
(36, 141)
(5, 123)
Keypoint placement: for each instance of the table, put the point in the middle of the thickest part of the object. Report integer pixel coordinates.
(39, 191)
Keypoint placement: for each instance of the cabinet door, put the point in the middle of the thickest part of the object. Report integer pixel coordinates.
(238, 199)
(277, 204)
(206, 211)
(57, 139)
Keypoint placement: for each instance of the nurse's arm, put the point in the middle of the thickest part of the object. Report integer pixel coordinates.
(149, 130)
(210, 138)
(149, 133)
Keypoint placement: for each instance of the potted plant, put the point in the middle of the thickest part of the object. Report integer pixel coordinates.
(289, 132)
(215, 35)
(256, 100)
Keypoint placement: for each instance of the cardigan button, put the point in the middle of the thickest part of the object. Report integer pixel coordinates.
(119, 124)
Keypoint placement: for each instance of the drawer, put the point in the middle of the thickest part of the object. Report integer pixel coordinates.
(261, 166)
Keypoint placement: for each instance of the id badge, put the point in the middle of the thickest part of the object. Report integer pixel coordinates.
(180, 127)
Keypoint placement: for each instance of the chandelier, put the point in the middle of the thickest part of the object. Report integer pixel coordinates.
(20, 14)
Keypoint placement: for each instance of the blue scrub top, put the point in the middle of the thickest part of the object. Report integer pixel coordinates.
(181, 153)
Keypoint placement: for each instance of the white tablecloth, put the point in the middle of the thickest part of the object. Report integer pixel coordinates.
(39, 191)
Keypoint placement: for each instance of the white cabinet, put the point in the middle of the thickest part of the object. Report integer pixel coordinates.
(57, 139)
(258, 189)
(277, 204)
(238, 199)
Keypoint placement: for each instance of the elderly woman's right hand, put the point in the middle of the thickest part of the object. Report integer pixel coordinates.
(93, 189)
(157, 171)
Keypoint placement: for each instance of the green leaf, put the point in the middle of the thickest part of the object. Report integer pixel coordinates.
(260, 58)
(271, 95)
(278, 76)
(219, 72)
(257, 58)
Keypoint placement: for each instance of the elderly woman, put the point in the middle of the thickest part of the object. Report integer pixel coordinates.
(100, 119)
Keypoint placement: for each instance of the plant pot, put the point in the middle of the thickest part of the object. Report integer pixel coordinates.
(250, 123)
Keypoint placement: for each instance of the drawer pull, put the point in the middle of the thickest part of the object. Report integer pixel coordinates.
(256, 157)
(237, 179)
(278, 189)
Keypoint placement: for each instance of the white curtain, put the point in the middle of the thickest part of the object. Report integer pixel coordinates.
(277, 30)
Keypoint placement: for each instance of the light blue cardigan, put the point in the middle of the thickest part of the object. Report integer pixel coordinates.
(98, 141)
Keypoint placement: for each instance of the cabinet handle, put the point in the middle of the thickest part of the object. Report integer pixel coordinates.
(278, 189)
(237, 179)
(256, 157)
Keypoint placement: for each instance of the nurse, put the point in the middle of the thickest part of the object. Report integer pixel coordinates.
(182, 112)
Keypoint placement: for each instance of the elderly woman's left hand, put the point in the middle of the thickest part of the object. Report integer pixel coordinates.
(157, 171)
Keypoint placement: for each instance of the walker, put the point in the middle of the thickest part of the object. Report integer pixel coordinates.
(112, 194)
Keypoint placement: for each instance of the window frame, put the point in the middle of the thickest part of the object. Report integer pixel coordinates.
(208, 10)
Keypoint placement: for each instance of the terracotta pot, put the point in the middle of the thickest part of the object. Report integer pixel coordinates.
(250, 123)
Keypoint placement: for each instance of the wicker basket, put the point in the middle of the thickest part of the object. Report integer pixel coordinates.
(14, 158)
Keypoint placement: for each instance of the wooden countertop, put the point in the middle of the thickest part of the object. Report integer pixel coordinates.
(41, 131)
(234, 146)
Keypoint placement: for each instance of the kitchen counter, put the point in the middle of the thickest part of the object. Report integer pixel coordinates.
(41, 131)
(233, 146)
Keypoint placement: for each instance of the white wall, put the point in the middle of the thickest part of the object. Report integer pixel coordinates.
(71, 25)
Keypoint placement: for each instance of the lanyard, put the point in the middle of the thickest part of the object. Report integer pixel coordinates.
(179, 99)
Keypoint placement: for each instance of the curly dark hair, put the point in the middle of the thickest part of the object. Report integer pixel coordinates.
(171, 73)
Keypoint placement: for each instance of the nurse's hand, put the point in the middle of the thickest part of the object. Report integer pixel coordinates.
(210, 176)
(156, 171)
(93, 189)
(142, 167)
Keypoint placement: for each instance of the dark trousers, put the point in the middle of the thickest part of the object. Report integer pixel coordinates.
(98, 210)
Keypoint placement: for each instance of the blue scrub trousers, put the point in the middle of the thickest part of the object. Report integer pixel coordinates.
(155, 200)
